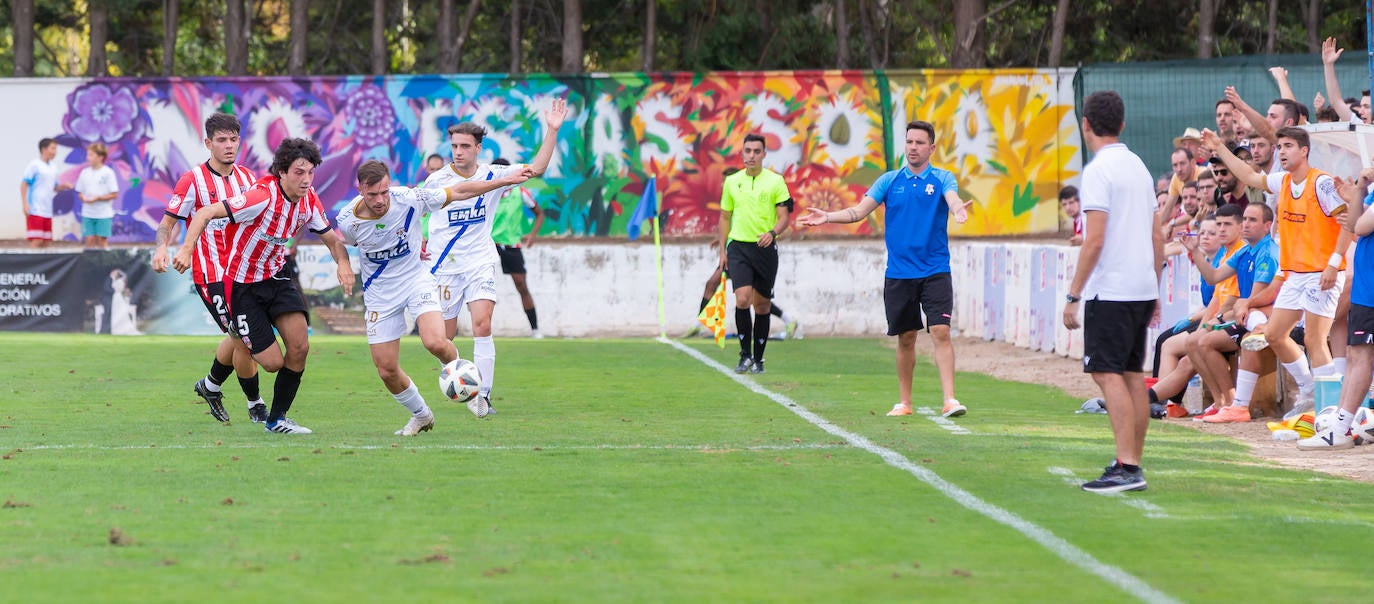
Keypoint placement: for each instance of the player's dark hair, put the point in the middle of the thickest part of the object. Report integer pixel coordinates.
(1105, 112)
(434, 156)
(44, 142)
(372, 172)
(1230, 210)
(1224, 102)
(1291, 110)
(925, 127)
(1296, 134)
(474, 130)
(500, 161)
(292, 149)
(756, 138)
(1067, 192)
(221, 122)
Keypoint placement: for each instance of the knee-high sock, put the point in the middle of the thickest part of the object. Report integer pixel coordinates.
(411, 399)
(250, 389)
(484, 355)
(1245, 387)
(218, 373)
(1301, 374)
(533, 316)
(284, 393)
(744, 327)
(761, 325)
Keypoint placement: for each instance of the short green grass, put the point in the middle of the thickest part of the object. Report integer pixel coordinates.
(619, 471)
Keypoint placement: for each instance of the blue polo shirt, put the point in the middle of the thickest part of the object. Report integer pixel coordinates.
(1255, 263)
(917, 220)
(1361, 289)
(1206, 288)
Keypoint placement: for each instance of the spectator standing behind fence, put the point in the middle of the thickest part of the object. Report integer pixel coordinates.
(1118, 275)
(97, 187)
(1068, 200)
(36, 191)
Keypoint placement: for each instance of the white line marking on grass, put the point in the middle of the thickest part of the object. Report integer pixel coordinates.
(1151, 510)
(942, 421)
(1055, 544)
(305, 444)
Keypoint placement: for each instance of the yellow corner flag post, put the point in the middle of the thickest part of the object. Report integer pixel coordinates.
(658, 264)
(713, 316)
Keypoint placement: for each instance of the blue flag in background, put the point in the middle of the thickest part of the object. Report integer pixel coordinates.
(646, 209)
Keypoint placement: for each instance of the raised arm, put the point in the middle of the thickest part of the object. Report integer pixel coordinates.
(815, 216)
(473, 188)
(1212, 274)
(1240, 168)
(553, 120)
(1261, 125)
(1330, 53)
(1281, 79)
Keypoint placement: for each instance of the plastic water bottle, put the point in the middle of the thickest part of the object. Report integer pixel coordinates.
(1192, 397)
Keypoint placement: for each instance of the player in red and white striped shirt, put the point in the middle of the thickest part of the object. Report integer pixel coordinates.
(218, 179)
(260, 295)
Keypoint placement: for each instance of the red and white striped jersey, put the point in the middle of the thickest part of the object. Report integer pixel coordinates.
(262, 222)
(199, 187)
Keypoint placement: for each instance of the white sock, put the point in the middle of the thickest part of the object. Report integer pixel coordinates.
(210, 384)
(786, 318)
(1245, 387)
(1324, 370)
(252, 404)
(1301, 375)
(1343, 420)
(1339, 362)
(484, 354)
(410, 399)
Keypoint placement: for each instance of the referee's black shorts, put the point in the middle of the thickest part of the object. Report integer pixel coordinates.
(512, 259)
(752, 266)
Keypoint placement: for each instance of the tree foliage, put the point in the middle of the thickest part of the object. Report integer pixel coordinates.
(692, 35)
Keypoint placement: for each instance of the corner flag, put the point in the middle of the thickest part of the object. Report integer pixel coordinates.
(646, 208)
(713, 316)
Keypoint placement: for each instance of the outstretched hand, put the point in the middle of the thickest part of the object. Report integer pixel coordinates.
(960, 211)
(1330, 52)
(553, 118)
(814, 217)
(1211, 141)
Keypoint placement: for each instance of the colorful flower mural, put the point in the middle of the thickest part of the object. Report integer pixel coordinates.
(1009, 136)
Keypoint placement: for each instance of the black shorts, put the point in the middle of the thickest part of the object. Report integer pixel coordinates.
(1361, 325)
(1114, 335)
(212, 296)
(255, 305)
(752, 266)
(512, 259)
(1236, 332)
(907, 299)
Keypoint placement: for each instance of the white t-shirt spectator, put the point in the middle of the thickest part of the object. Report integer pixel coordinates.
(95, 183)
(1118, 183)
(42, 179)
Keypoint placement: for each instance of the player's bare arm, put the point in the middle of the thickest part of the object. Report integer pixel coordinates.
(768, 238)
(817, 217)
(1240, 168)
(1213, 275)
(528, 239)
(553, 120)
(1093, 240)
(164, 236)
(473, 188)
(199, 221)
(958, 208)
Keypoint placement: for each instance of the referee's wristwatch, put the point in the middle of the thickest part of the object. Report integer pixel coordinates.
(1071, 298)
(772, 233)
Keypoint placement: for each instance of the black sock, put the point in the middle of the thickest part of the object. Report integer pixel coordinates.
(760, 335)
(1177, 398)
(219, 372)
(1130, 468)
(533, 316)
(704, 302)
(1154, 398)
(776, 311)
(744, 327)
(284, 393)
(250, 387)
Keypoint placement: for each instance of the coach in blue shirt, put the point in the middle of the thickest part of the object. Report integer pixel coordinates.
(920, 199)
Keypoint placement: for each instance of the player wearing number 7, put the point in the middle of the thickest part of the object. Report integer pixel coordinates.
(384, 223)
(920, 199)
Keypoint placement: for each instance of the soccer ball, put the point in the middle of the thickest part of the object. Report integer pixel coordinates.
(1363, 426)
(459, 380)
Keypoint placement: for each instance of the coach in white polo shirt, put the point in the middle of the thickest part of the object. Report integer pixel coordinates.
(1120, 284)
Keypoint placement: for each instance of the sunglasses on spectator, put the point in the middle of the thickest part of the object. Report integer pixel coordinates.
(1221, 171)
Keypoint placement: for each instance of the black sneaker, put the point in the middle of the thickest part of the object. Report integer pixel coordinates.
(744, 363)
(1158, 410)
(1117, 480)
(214, 399)
(258, 413)
(757, 367)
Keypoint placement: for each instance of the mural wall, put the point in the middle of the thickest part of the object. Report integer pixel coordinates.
(1010, 136)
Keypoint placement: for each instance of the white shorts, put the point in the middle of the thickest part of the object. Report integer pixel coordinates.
(391, 325)
(455, 291)
(1303, 291)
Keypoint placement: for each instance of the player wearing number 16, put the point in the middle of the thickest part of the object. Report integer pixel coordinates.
(384, 223)
(259, 294)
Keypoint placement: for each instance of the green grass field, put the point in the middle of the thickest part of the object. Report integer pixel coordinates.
(628, 471)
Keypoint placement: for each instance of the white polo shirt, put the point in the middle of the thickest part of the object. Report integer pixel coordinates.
(1118, 183)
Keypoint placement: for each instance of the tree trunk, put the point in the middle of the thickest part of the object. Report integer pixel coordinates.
(1272, 38)
(300, 23)
(463, 34)
(866, 27)
(379, 54)
(650, 35)
(22, 17)
(572, 36)
(169, 37)
(517, 41)
(443, 63)
(841, 35)
(968, 34)
(1312, 18)
(96, 63)
(1206, 28)
(1061, 16)
(236, 30)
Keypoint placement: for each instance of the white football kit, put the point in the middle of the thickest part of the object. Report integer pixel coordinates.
(463, 256)
(394, 278)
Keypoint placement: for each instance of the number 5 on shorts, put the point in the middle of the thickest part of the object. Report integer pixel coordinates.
(242, 321)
